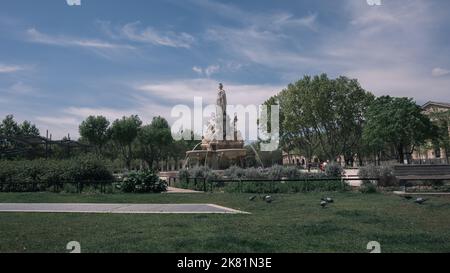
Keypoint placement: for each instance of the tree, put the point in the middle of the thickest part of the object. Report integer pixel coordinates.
(28, 129)
(9, 127)
(396, 123)
(123, 132)
(95, 131)
(324, 116)
(155, 141)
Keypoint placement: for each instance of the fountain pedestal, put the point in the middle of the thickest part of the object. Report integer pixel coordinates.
(222, 145)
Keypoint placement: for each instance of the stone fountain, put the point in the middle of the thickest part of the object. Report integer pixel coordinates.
(222, 145)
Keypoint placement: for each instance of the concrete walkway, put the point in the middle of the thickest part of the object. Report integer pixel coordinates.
(118, 208)
(178, 190)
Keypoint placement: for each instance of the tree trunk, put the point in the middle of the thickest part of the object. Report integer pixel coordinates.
(401, 155)
(128, 158)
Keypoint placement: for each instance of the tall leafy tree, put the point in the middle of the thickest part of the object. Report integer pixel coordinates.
(324, 116)
(28, 129)
(396, 123)
(123, 132)
(95, 131)
(9, 127)
(155, 141)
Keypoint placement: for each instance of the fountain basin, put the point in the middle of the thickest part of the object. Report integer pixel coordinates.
(217, 159)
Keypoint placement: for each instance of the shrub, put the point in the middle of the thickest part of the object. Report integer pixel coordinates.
(183, 175)
(275, 172)
(291, 172)
(334, 170)
(255, 173)
(384, 174)
(203, 172)
(368, 188)
(44, 174)
(143, 182)
(235, 172)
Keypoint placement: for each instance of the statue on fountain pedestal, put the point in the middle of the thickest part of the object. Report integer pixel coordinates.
(222, 144)
(221, 111)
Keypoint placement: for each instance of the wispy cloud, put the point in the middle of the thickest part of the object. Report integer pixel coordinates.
(268, 39)
(38, 37)
(21, 88)
(148, 35)
(380, 46)
(389, 49)
(207, 71)
(439, 72)
(10, 68)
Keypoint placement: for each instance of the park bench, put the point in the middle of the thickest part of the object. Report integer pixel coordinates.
(422, 172)
(408, 175)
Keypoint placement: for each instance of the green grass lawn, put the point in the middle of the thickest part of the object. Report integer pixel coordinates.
(292, 223)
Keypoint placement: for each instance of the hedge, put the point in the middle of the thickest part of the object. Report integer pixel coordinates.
(47, 173)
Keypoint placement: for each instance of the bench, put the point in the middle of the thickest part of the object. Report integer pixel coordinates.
(407, 175)
(422, 172)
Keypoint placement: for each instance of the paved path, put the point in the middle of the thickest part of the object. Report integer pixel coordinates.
(118, 208)
(178, 190)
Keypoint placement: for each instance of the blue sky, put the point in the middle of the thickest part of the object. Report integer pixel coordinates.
(61, 63)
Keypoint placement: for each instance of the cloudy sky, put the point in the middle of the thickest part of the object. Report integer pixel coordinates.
(61, 63)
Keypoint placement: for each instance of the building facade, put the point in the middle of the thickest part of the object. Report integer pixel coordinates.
(429, 153)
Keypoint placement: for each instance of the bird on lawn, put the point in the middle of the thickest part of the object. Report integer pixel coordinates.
(323, 204)
(268, 199)
(252, 198)
(420, 200)
(407, 197)
(328, 200)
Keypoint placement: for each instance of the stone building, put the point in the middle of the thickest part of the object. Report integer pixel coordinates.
(428, 153)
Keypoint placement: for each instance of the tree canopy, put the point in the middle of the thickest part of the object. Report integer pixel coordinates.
(322, 116)
(155, 140)
(124, 131)
(95, 131)
(398, 123)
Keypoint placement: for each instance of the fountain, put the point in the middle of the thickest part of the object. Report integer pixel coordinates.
(222, 145)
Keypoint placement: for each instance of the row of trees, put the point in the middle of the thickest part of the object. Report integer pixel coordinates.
(9, 127)
(131, 139)
(330, 118)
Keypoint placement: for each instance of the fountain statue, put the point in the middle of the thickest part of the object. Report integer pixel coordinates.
(222, 144)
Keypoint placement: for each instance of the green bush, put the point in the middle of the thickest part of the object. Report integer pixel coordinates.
(143, 182)
(255, 173)
(291, 172)
(334, 170)
(368, 188)
(183, 175)
(41, 174)
(384, 174)
(203, 172)
(235, 172)
(275, 172)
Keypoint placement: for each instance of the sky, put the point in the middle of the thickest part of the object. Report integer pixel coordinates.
(61, 63)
